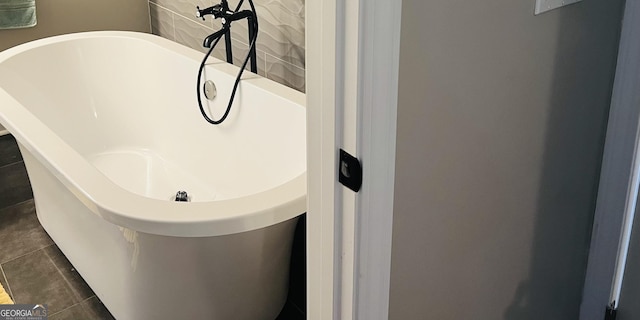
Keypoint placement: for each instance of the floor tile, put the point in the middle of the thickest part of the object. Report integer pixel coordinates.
(35, 279)
(73, 313)
(14, 184)
(298, 267)
(78, 286)
(96, 310)
(3, 281)
(20, 231)
(9, 152)
(291, 312)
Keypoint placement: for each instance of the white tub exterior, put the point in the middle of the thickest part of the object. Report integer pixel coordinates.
(109, 129)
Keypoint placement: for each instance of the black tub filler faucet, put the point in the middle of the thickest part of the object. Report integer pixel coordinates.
(227, 16)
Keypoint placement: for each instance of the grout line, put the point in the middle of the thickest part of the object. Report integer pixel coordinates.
(26, 254)
(182, 16)
(264, 60)
(287, 80)
(87, 299)
(266, 74)
(173, 25)
(15, 205)
(13, 163)
(65, 309)
(8, 285)
(73, 292)
(77, 304)
(283, 61)
(298, 308)
(149, 15)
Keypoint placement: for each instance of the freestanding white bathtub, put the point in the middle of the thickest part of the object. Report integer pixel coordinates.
(109, 128)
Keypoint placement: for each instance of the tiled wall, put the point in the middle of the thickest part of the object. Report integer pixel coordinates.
(280, 46)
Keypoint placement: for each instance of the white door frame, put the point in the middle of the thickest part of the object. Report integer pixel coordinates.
(321, 145)
(619, 178)
(352, 80)
(379, 62)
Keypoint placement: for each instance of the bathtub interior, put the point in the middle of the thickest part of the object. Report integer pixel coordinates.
(129, 107)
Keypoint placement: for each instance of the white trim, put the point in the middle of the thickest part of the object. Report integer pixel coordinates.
(347, 120)
(627, 227)
(379, 63)
(352, 82)
(618, 166)
(321, 23)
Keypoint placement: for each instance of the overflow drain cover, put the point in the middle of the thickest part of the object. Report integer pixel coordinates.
(210, 90)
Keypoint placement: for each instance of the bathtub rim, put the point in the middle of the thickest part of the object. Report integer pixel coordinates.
(126, 209)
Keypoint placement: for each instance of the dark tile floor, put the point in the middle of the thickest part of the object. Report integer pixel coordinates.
(33, 269)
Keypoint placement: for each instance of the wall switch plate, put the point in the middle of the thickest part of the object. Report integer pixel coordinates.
(546, 5)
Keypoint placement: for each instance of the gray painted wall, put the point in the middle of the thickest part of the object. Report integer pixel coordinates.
(501, 124)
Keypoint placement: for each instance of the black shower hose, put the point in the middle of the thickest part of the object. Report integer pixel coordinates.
(235, 85)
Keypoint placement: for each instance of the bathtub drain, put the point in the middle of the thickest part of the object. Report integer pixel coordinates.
(182, 196)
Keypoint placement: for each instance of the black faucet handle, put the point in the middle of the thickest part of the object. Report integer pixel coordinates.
(199, 13)
(214, 10)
